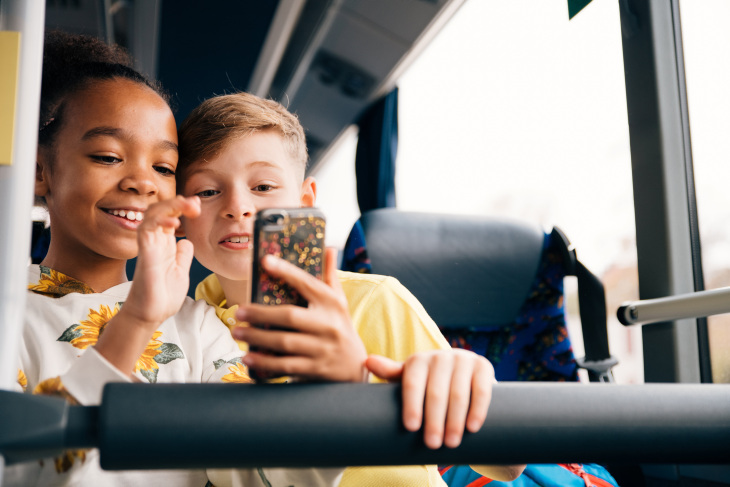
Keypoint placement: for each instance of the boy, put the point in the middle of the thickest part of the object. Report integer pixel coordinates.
(240, 153)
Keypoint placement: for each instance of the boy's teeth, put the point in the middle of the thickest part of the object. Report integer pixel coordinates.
(129, 215)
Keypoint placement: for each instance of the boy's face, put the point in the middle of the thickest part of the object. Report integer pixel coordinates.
(250, 174)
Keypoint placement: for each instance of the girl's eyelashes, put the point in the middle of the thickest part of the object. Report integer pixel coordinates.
(106, 159)
(165, 171)
(207, 193)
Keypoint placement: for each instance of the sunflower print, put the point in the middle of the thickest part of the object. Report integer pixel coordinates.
(238, 373)
(22, 380)
(86, 333)
(56, 284)
(147, 359)
(54, 387)
(66, 460)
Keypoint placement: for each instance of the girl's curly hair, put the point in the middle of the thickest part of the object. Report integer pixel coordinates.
(70, 63)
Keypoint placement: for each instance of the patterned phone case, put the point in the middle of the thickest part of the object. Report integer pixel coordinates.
(297, 236)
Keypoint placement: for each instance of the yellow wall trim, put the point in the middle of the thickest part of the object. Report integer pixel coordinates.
(9, 67)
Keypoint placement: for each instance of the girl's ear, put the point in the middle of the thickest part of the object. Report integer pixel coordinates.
(309, 192)
(42, 187)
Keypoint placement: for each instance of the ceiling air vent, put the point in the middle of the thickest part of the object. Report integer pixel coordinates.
(349, 79)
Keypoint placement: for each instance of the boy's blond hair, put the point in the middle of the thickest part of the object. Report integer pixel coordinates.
(222, 119)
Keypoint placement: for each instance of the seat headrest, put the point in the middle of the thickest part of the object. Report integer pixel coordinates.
(465, 270)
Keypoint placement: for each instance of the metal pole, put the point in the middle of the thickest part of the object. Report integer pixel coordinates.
(16, 180)
(671, 308)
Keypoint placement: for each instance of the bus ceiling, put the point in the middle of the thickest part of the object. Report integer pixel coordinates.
(326, 60)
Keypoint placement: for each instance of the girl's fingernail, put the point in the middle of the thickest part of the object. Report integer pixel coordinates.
(239, 333)
(241, 314)
(246, 359)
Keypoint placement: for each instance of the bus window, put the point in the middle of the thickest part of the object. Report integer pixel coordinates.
(707, 67)
(516, 112)
(336, 188)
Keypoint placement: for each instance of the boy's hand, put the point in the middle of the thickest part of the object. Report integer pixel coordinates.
(323, 344)
(443, 389)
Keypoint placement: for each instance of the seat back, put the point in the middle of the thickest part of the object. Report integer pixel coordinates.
(493, 286)
(458, 266)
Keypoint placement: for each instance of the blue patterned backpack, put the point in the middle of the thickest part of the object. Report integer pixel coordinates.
(535, 475)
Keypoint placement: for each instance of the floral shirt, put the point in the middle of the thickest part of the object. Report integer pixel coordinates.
(63, 321)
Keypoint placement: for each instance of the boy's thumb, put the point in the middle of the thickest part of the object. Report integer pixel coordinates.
(384, 368)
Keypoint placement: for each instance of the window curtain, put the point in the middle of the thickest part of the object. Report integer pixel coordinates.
(377, 147)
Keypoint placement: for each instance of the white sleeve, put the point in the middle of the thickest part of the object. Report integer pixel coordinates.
(87, 376)
(276, 477)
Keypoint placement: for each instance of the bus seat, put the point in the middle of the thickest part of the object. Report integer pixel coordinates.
(39, 242)
(493, 286)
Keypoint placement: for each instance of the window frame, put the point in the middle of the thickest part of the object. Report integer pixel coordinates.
(667, 234)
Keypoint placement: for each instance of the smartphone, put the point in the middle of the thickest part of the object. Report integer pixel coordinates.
(295, 235)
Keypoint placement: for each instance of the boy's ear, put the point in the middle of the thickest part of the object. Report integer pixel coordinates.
(42, 186)
(309, 192)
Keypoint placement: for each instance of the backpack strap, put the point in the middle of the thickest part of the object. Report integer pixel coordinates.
(598, 360)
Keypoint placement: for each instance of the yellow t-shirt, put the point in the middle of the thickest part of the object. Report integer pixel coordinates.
(391, 322)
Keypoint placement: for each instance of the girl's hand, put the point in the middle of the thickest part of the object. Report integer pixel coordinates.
(442, 389)
(161, 275)
(322, 343)
(159, 286)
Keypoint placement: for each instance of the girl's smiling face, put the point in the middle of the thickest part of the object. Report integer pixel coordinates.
(252, 173)
(114, 155)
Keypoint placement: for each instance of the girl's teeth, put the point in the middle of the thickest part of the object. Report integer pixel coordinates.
(238, 239)
(129, 215)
